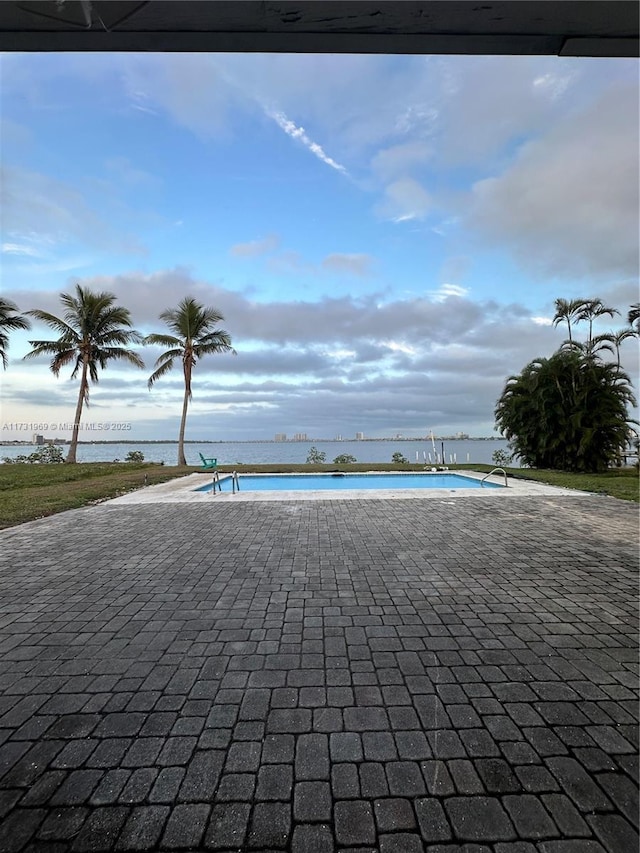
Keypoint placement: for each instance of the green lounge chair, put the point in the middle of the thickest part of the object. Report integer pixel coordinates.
(208, 464)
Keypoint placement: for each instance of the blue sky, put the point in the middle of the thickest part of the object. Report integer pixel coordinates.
(384, 236)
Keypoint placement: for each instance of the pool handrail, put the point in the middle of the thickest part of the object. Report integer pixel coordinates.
(216, 481)
(495, 471)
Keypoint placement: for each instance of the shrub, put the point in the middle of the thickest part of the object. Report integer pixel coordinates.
(399, 459)
(501, 457)
(134, 456)
(50, 454)
(344, 459)
(316, 456)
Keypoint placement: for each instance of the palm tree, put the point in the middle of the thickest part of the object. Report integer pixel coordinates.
(591, 310)
(617, 338)
(633, 317)
(567, 412)
(10, 320)
(593, 346)
(93, 331)
(194, 336)
(567, 310)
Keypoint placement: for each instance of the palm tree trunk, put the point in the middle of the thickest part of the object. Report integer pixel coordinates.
(569, 327)
(71, 456)
(183, 423)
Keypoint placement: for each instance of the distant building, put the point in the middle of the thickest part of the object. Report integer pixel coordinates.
(462, 435)
(37, 439)
(281, 436)
(300, 436)
(359, 436)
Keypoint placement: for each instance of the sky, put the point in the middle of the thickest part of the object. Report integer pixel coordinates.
(384, 236)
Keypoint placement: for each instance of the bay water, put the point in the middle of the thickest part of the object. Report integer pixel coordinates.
(294, 452)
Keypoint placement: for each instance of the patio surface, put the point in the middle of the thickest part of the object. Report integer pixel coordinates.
(449, 675)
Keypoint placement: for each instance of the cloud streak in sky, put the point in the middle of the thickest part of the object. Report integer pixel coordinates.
(299, 133)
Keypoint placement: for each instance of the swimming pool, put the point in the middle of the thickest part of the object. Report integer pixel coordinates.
(343, 482)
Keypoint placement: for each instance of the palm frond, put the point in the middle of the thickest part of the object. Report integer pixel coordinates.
(161, 371)
(116, 354)
(48, 348)
(14, 323)
(162, 340)
(54, 322)
(170, 355)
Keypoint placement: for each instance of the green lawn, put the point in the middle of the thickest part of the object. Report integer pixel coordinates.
(619, 483)
(33, 491)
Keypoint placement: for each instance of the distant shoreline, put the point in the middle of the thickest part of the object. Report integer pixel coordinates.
(427, 438)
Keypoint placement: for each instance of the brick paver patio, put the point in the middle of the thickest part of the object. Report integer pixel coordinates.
(394, 676)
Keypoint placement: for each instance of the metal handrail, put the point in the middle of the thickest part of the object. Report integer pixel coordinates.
(235, 482)
(216, 480)
(495, 471)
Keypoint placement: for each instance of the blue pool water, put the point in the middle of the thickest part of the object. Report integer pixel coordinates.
(341, 482)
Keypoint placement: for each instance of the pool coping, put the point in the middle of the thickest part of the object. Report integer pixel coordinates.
(184, 490)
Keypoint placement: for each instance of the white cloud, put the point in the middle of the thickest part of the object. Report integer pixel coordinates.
(542, 321)
(568, 204)
(340, 353)
(398, 346)
(404, 199)
(553, 85)
(447, 290)
(299, 133)
(54, 213)
(122, 170)
(255, 248)
(340, 361)
(354, 264)
(398, 160)
(20, 249)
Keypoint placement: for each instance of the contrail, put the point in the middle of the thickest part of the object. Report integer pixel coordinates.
(299, 133)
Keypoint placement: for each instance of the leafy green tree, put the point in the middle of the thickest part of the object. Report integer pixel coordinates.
(344, 459)
(92, 332)
(194, 336)
(134, 456)
(567, 412)
(315, 456)
(398, 459)
(10, 320)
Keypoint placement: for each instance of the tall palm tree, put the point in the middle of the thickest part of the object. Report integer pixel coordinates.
(567, 311)
(93, 331)
(10, 320)
(591, 310)
(633, 317)
(194, 336)
(617, 338)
